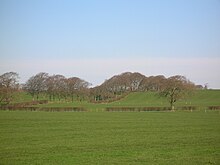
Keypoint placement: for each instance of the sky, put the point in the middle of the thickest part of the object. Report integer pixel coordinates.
(96, 39)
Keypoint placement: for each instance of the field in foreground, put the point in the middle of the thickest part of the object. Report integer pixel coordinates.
(109, 137)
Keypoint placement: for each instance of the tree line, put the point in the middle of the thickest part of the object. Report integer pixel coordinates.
(58, 87)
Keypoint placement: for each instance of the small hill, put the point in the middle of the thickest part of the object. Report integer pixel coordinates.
(204, 98)
(198, 98)
(142, 99)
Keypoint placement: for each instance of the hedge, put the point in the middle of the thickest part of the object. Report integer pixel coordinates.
(214, 107)
(46, 109)
(137, 109)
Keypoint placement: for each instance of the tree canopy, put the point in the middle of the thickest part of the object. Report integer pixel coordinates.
(175, 88)
(8, 85)
(59, 87)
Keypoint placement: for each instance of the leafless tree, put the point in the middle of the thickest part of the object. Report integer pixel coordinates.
(8, 85)
(76, 86)
(152, 83)
(36, 84)
(135, 80)
(124, 82)
(60, 86)
(176, 87)
(50, 83)
(117, 86)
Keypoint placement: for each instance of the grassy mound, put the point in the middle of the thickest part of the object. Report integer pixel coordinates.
(198, 98)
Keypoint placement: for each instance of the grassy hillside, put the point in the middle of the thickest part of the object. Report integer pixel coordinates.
(204, 98)
(109, 138)
(200, 98)
(25, 97)
(142, 99)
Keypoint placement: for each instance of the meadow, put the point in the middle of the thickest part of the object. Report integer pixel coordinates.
(100, 137)
(201, 99)
(109, 137)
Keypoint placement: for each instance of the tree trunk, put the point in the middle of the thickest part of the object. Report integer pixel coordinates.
(172, 101)
(72, 98)
(172, 106)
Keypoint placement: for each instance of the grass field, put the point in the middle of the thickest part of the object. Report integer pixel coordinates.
(201, 99)
(197, 98)
(109, 137)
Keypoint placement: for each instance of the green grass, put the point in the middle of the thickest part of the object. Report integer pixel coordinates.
(204, 98)
(201, 99)
(198, 98)
(142, 99)
(109, 138)
(25, 97)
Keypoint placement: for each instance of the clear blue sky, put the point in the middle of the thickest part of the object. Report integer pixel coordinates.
(75, 37)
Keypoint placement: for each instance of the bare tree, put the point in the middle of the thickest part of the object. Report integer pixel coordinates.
(152, 83)
(8, 85)
(117, 86)
(50, 83)
(176, 87)
(36, 84)
(60, 86)
(135, 80)
(122, 83)
(76, 86)
(56, 86)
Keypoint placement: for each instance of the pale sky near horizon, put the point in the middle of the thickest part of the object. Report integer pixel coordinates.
(96, 39)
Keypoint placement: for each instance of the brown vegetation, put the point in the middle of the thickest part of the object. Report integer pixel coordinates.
(8, 85)
(58, 87)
